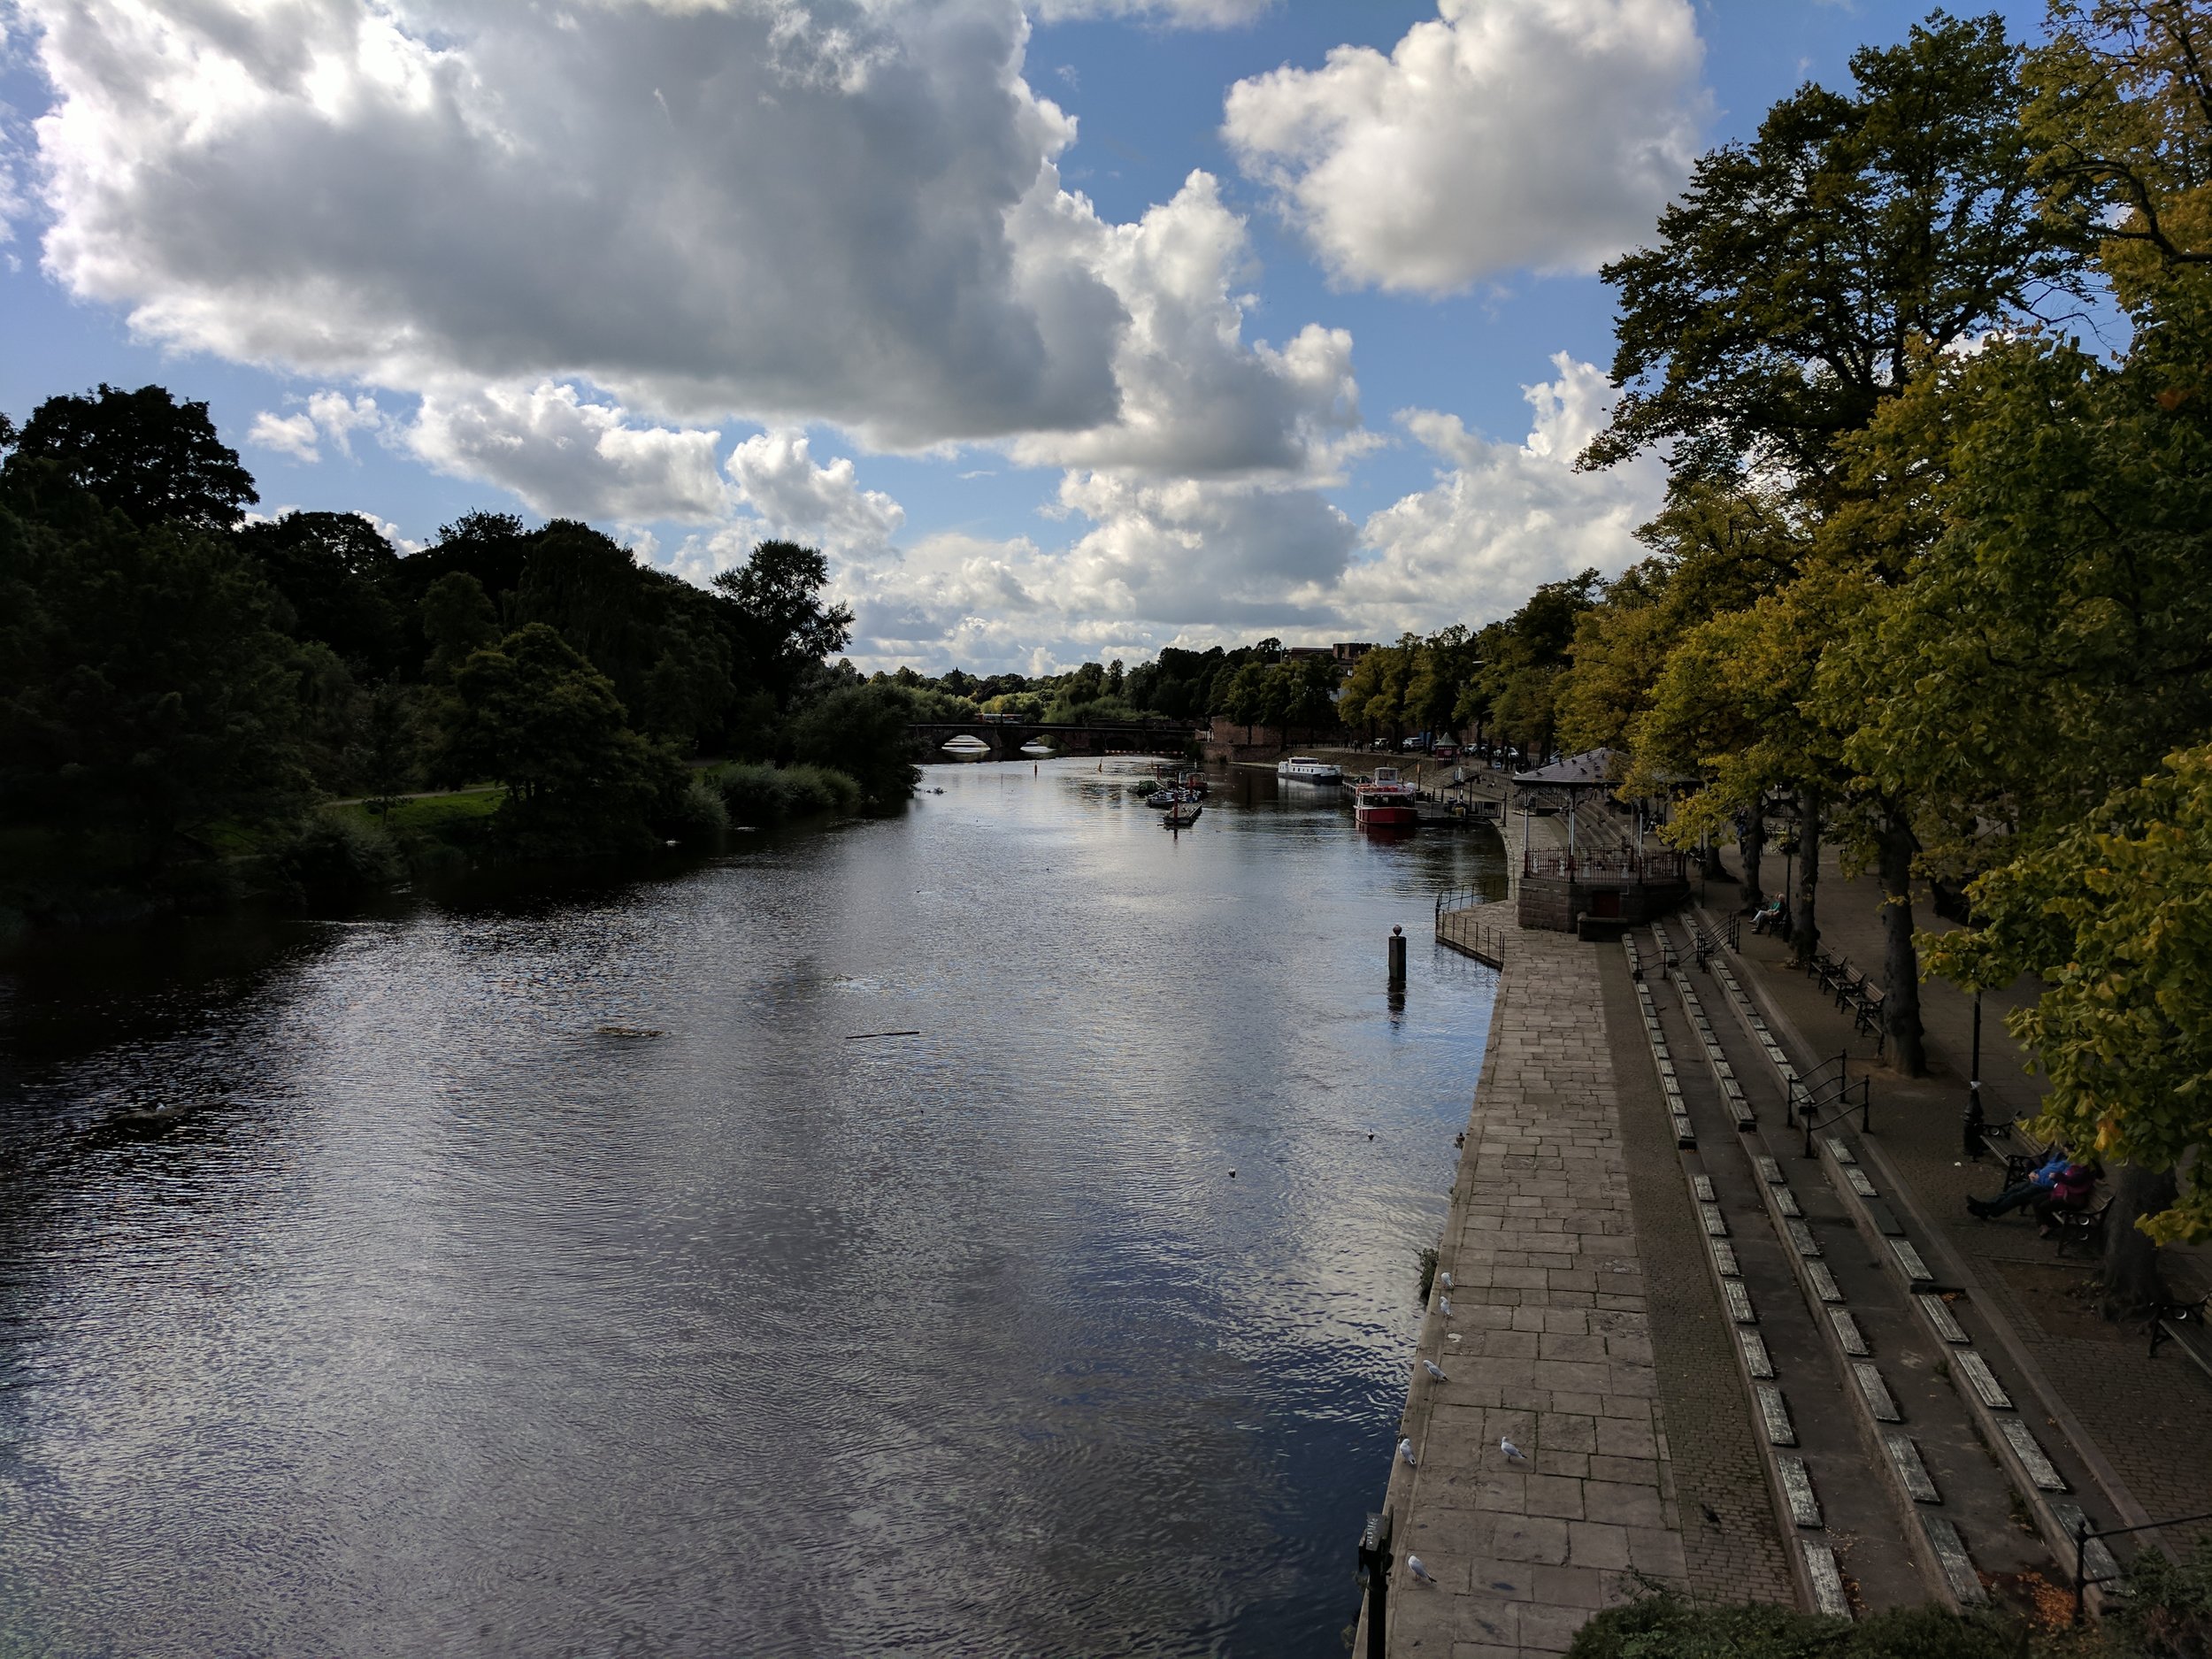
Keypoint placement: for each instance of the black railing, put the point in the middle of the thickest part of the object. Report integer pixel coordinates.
(2085, 1535)
(1604, 869)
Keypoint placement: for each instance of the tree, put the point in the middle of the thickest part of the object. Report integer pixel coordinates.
(335, 571)
(532, 713)
(2123, 112)
(778, 610)
(144, 454)
(2115, 915)
(1799, 273)
(457, 620)
(143, 685)
(864, 732)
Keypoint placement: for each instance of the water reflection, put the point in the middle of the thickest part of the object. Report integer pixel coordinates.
(449, 1322)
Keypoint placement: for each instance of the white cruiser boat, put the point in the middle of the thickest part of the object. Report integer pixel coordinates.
(1306, 769)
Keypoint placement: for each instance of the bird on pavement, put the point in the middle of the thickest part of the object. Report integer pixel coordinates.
(1405, 1450)
(1444, 1306)
(1414, 1566)
(1434, 1369)
(1444, 1280)
(1510, 1449)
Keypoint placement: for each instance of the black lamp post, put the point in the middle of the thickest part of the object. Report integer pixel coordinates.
(1970, 1136)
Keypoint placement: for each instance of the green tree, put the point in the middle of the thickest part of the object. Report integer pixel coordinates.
(2115, 917)
(865, 733)
(143, 685)
(1799, 274)
(779, 614)
(334, 570)
(534, 715)
(144, 454)
(457, 620)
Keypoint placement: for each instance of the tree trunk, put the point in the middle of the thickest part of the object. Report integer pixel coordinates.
(2131, 1280)
(1753, 843)
(1901, 961)
(1805, 914)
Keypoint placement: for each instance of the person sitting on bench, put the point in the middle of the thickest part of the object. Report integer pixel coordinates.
(2069, 1193)
(2035, 1190)
(1769, 920)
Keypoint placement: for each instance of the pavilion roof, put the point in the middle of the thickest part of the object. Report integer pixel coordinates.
(1592, 769)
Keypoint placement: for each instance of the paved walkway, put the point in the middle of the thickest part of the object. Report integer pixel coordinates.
(1547, 1346)
(2149, 1419)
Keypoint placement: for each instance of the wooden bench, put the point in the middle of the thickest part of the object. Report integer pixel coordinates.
(2184, 1324)
(1848, 983)
(2084, 1226)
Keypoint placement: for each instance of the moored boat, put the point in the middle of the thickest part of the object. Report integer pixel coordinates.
(1182, 814)
(1306, 769)
(1385, 801)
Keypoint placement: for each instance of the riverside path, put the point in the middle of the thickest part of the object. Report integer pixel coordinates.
(1545, 1345)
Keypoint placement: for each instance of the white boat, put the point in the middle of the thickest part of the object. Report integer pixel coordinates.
(1306, 769)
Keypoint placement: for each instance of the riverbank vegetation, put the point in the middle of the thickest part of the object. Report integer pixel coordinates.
(2165, 1614)
(184, 691)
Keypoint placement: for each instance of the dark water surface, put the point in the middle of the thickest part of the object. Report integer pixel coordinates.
(451, 1325)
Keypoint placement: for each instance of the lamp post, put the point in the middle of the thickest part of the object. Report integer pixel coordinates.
(1971, 1135)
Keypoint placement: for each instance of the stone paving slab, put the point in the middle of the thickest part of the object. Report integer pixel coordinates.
(1553, 1349)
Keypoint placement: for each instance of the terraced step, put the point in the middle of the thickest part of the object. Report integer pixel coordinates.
(1943, 1339)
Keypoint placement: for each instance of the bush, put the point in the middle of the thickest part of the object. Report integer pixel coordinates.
(767, 795)
(1663, 1626)
(2167, 1613)
(694, 815)
(862, 731)
(821, 789)
(337, 853)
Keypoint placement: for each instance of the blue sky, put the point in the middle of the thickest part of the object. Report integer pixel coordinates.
(1122, 323)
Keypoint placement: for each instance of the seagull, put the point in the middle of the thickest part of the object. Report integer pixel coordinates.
(1414, 1566)
(1510, 1449)
(1444, 1280)
(1405, 1450)
(1444, 1306)
(1434, 1369)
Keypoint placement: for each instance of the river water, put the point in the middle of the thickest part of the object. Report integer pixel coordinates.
(448, 1323)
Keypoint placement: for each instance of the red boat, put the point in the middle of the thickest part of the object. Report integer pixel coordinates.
(1385, 801)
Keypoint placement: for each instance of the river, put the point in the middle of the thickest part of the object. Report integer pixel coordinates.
(449, 1323)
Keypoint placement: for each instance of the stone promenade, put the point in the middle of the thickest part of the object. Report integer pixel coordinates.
(1545, 1345)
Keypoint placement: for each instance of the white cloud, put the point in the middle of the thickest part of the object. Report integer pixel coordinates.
(1195, 14)
(1503, 134)
(776, 476)
(329, 418)
(582, 234)
(337, 417)
(287, 435)
(760, 207)
(569, 458)
(1195, 400)
(1504, 518)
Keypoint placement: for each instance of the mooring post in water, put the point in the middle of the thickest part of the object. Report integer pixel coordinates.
(1397, 958)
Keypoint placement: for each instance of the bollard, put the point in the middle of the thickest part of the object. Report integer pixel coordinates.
(1397, 958)
(1374, 1576)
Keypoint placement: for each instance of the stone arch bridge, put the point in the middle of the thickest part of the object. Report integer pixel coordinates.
(1005, 738)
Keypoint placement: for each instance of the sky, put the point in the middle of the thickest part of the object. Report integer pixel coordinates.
(1068, 329)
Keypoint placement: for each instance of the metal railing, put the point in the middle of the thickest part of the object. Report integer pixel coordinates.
(1456, 926)
(2085, 1535)
(1606, 868)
